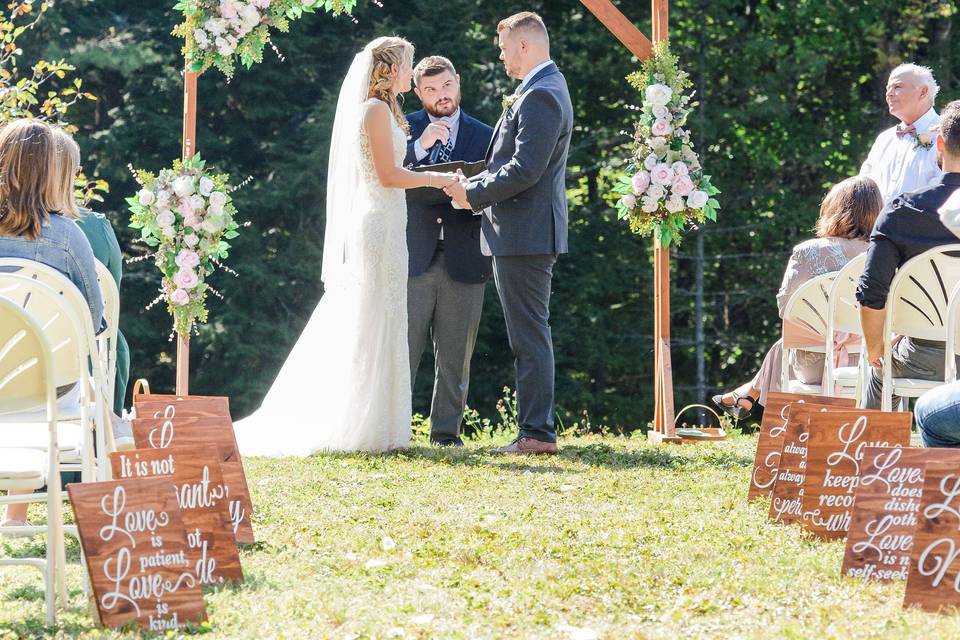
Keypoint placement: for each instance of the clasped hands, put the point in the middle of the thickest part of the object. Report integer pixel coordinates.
(454, 185)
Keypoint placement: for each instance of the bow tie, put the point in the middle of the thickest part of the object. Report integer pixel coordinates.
(905, 131)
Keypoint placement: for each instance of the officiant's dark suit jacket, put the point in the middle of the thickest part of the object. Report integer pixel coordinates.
(461, 229)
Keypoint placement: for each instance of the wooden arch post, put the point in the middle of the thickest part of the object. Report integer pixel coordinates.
(638, 44)
(189, 148)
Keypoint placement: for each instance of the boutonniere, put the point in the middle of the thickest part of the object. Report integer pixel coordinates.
(920, 140)
(508, 101)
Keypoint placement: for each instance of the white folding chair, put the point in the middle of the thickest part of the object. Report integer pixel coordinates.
(953, 336)
(90, 412)
(917, 308)
(26, 380)
(107, 340)
(807, 310)
(843, 314)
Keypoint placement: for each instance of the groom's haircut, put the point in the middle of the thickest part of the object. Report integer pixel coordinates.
(525, 22)
(432, 66)
(950, 128)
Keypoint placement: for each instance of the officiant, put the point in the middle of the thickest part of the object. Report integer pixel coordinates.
(447, 271)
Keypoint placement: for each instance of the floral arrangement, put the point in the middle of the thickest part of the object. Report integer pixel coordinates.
(186, 214)
(217, 33)
(665, 188)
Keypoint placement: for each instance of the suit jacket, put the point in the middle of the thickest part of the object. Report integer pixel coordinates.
(523, 192)
(461, 229)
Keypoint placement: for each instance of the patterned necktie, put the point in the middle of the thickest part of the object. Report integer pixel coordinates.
(446, 151)
(903, 131)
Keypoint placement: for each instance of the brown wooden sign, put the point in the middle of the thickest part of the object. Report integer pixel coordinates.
(835, 450)
(886, 510)
(786, 502)
(203, 498)
(155, 406)
(767, 459)
(136, 553)
(933, 583)
(172, 429)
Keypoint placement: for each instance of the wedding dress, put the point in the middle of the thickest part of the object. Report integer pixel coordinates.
(346, 384)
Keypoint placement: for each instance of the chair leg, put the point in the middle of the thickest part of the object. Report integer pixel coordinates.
(61, 573)
(50, 570)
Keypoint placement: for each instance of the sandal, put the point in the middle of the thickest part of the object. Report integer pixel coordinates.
(735, 410)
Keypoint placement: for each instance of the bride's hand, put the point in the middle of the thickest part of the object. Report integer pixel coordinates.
(441, 180)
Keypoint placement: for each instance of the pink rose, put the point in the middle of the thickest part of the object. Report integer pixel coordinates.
(185, 207)
(187, 259)
(682, 185)
(662, 174)
(629, 200)
(260, 4)
(192, 221)
(674, 204)
(641, 180)
(228, 9)
(661, 128)
(180, 297)
(186, 279)
(680, 168)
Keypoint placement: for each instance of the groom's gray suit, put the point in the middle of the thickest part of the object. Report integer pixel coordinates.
(523, 199)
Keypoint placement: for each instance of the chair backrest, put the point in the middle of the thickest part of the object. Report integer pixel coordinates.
(953, 334)
(844, 308)
(52, 278)
(920, 293)
(108, 338)
(57, 320)
(25, 361)
(809, 304)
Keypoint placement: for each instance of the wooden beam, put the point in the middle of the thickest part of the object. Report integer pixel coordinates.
(621, 27)
(189, 149)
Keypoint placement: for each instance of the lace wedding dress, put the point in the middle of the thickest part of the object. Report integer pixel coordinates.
(346, 384)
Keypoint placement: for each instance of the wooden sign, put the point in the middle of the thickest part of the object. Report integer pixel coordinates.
(774, 425)
(933, 583)
(172, 429)
(155, 405)
(136, 553)
(835, 450)
(886, 509)
(203, 500)
(786, 502)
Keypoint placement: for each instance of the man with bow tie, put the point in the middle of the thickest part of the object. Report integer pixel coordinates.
(448, 272)
(904, 158)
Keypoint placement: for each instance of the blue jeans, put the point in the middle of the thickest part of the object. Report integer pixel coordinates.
(938, 416)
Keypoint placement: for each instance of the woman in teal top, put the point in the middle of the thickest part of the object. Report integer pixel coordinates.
(106, 249)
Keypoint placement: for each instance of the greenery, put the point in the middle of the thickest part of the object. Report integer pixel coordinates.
(790, 99)
(612, 539)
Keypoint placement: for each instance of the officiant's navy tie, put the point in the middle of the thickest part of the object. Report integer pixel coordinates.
(442, 152)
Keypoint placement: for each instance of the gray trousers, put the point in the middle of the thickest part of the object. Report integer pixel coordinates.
(449, 312)
(911, 358)
(523, 283)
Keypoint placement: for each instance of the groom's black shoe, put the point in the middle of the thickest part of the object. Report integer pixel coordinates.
(446, 442)
(529, 446)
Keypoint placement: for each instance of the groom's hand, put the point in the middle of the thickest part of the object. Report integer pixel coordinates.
(458, 191)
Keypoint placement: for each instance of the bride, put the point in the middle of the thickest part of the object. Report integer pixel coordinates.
(346, 384)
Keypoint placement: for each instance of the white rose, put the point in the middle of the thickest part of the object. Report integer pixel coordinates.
(649, 205)
(679, 168)
(146, 197)
(675, 204)
(250, 17)
(660, 112)
(163, 198)
(166, 218)
(183, 186)
(650, 162)
(212, 224)
(659, 94)
(214, 211)
(658, 142)
(191, 240)
(197, 202)
(200, 37)
(168, 232)
(206, 186)
(218, 199)
(697, 199)
(656, 191)
(223, 47)
(215, 26)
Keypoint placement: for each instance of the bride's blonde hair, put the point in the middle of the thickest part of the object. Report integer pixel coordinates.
(388, 51)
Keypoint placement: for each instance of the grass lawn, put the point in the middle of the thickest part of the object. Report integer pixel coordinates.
(612, 539)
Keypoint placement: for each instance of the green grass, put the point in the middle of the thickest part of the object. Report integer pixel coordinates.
(612, 539)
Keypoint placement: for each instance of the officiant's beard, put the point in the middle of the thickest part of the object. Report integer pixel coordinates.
(450, 107)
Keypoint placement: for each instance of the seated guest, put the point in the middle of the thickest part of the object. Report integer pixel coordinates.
(32, 226)
(907, 227)
(938, 416)
(103, 241)
(846, 218)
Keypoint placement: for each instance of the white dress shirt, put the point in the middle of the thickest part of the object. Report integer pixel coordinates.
(897, 165)
(532, 73)
(453, 120)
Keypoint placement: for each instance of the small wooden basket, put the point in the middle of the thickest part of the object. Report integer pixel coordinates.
(702, 434)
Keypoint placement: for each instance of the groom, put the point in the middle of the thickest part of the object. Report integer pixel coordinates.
(523, 199)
